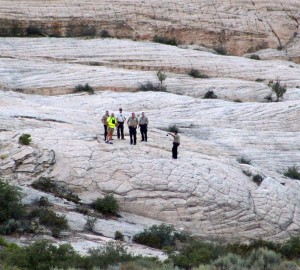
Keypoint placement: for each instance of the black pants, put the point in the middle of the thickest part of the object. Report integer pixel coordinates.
(174, 150)
(132, 133)
(120, 130)
(105, 132)
(143, 128)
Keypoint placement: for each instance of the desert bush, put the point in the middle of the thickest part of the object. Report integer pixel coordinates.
(90, 223)
(119, 236)
(25, 139)
(84, 88)
(195, 73)
(43, 201)
(291, 248)
(196, 252)
(230, 261)
(255, 57)
(104, 34)
(278, 89)
(292, 172)
(257, 179)
(11, 208)
(50, 219)
(165, 40)
(34, 31)
(237, 100)
(210, 95)
(149, 86)
(161, 76)
(157, 236)
(173, 128)
(107, 206)
(244, 160)
(111, 254)
(259, 80)
(263, 258)
(221, 50)
(48, 185)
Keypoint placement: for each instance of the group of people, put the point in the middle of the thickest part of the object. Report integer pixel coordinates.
(110, 122)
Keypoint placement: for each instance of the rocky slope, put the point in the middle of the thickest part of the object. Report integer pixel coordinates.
(239, 25)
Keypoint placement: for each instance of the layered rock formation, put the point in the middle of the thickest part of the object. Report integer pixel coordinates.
(240, 25)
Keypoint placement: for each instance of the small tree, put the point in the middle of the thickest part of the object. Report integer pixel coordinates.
(161, 76)
(278, 89)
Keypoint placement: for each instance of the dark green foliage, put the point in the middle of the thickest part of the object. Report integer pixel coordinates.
(259, 80)
(104, 34)
(48, 185)
(197, 74)
(263, 258)
(292, 172)
(149, 86)
(278, 89)
(237, 100)
(257, 179)
(157, 236)
(43, 201)
(50, 219)
(11, 208)
(196, 252)
(34, 31)
(107, 206)
(173, 128)
(25, 139)
(230, 261)
(244, 160)
(291, 248)
(221, 50)
(165, 40)
(119, 236)
(210, 95)
(42, 255)
(84, 88)
(255, 57)
(111, 254)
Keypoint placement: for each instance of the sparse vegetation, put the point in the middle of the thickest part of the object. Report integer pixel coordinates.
(255, 57)
(165, 40)
(195, 73)
(34, 31)
(90, 223)
(210, 95)
(119, 236)
(104, 34)
(173, 128)
(257, 179)
(237, 100)
(25, 139)
(161, 76)
(244, 160)
(149, 86)
(259, 80)
(84, 88)
(292, 172)
(221, 50)
(107, 206)
(278, 89)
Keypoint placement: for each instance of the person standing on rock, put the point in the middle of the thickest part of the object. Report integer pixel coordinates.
(104, 122)
(120, 128)
(132, 123)
(111, 124)
(143, 127)
(176, 143)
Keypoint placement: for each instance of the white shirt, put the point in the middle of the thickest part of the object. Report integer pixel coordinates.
(121, 117)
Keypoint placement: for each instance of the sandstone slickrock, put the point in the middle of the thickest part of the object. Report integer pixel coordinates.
(238, 25)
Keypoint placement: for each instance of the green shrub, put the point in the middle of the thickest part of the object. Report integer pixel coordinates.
(165, 40)
(107, 206)
(230, 261)
(149, 86)
(104, 34)
(111, 254)
(50, 219)
(244, 160)
(161, 76)
(90, 223)
(84, 88)
(278, 89)
(263, 258)
(237, 100)
(34, 31)
(195, 73)
(221, 50)
(210, 95)
(257, 179)
(25, 139)
(292, 172)
(48, 185)
(291, 248)
(259, 80)
(173, 128)
(119, 236)
(11, 208)
(255, 57)
(157, 236)
(43, 201)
